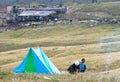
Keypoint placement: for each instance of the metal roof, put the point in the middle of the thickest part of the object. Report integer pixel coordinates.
(36, 13)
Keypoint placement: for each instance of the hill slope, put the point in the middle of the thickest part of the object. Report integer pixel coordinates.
(74, 40)
(64, 44)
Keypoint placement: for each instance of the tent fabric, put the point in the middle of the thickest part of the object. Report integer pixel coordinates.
(30, 66)
(50, 66)
(36, 62)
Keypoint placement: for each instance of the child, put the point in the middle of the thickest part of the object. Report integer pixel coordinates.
(82, 65)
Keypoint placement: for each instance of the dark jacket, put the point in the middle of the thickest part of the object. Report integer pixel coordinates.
(73, 68)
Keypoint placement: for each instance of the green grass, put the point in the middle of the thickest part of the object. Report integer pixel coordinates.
(47, 36)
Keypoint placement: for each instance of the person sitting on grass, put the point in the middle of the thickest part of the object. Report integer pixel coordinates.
(82, 65)
(74, 68)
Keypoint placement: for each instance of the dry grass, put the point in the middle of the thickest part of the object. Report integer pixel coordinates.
(73, 43)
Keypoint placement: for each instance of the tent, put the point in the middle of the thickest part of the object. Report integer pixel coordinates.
(36, 62)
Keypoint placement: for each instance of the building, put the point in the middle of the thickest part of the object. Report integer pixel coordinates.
(27, 16)
(35, 14)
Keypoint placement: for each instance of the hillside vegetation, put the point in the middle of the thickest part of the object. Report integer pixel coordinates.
(65, 35)
(47, 2)
(105, 10)
(64, 44)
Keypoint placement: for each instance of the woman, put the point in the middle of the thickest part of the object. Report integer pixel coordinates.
(73, 68)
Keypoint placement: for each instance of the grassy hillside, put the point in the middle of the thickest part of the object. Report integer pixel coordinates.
(63, 44)
(92, 11)
(65, 35)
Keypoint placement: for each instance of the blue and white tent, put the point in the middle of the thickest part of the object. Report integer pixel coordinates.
(36, 62)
